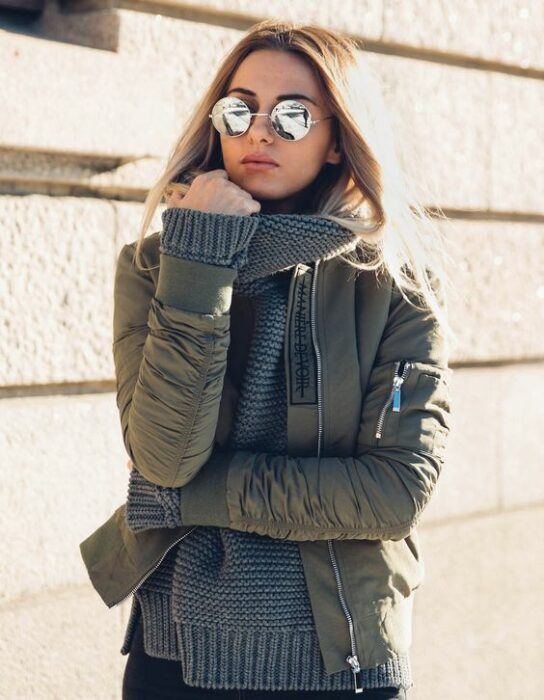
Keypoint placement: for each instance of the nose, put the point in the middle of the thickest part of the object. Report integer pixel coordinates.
(260, 127)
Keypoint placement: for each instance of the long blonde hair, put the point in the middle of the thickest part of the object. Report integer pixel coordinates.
(367, 192)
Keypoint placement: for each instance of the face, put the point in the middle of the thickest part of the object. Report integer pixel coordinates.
(260, 80)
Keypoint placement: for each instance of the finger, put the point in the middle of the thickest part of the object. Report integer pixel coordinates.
(175, 198)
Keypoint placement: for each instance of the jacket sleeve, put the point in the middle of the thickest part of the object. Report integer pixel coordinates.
(380, 492)
(170, 345)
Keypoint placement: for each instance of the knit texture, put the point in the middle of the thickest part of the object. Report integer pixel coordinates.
(233, 606)
(225, 243)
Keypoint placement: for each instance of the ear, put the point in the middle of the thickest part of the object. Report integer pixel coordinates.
(334, 155)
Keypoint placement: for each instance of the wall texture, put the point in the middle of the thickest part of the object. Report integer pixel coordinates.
(93, 95)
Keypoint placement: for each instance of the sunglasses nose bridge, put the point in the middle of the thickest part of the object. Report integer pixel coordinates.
(260, 114)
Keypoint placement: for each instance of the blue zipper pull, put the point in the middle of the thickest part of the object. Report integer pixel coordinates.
(397, 383)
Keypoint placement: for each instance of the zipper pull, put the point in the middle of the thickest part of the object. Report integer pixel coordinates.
(397, 383)
(353, 661)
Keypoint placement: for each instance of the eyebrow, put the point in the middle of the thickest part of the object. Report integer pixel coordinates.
(289, 96)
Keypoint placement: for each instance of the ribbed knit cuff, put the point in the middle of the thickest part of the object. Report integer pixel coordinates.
(210, 237)
(150, 505)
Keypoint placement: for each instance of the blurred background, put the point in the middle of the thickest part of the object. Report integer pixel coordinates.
(93, 94)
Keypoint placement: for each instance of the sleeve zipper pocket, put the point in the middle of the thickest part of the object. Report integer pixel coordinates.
(402, 368)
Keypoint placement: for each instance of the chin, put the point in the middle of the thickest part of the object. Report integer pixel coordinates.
(262, 192)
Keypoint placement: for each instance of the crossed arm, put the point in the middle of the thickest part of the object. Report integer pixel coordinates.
(170, 369)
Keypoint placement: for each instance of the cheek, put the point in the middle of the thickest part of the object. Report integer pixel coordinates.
(232, 149)
(303, 160)
(227, 150)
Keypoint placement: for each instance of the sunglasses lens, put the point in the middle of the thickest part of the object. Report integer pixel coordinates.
(231, 116)
(290, 119)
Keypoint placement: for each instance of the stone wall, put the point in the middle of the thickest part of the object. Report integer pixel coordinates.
(94, 93)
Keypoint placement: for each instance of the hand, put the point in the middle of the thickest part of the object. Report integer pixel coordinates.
(212, 191)
(130, 464)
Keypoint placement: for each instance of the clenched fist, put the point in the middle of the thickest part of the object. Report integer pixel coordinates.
(212, 191)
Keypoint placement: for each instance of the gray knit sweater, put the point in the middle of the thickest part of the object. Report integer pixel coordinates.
(233, 606)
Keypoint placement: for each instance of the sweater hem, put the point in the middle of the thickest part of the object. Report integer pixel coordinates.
(270, 659)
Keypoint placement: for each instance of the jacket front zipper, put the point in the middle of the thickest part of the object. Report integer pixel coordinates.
(352, 659)
(148, 574)
(402, 368)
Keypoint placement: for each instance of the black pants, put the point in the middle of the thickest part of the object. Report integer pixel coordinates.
(149, 678)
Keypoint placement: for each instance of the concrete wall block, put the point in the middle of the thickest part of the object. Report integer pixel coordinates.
(130, 31)
(522, 418)
(465, 138)
(106, 103)
(509, 32)
(95, 24)
(60, 490)
(364, 15)
(498, 270)
(60, 255)
(516, 167)
(440, 118)
(59, 258)
(493, 460)
(62, 644)
(504, 31)
(470, 481)
(61, 174)
(478, 629)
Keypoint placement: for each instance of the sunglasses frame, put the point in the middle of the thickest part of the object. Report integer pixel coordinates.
(269, 115)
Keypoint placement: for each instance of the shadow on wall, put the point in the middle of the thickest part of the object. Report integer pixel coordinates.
(82, 22)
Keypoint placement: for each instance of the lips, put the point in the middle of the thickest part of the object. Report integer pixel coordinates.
(255, 158)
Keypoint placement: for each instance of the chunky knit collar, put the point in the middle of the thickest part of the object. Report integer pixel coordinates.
(280, 241)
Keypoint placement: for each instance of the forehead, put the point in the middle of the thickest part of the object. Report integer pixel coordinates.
(270, 73)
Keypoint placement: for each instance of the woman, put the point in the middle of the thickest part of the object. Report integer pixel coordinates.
(282, 383)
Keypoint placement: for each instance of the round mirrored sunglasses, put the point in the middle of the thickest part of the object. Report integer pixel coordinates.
(291, 120)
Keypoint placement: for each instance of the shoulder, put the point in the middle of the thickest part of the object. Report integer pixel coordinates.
(149, 258)
(149, 249)
(393, 323)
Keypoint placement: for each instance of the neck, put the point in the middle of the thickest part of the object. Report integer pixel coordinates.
(294, 204)
(278, 206)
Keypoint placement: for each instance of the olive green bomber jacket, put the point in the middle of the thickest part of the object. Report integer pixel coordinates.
(366, 437)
